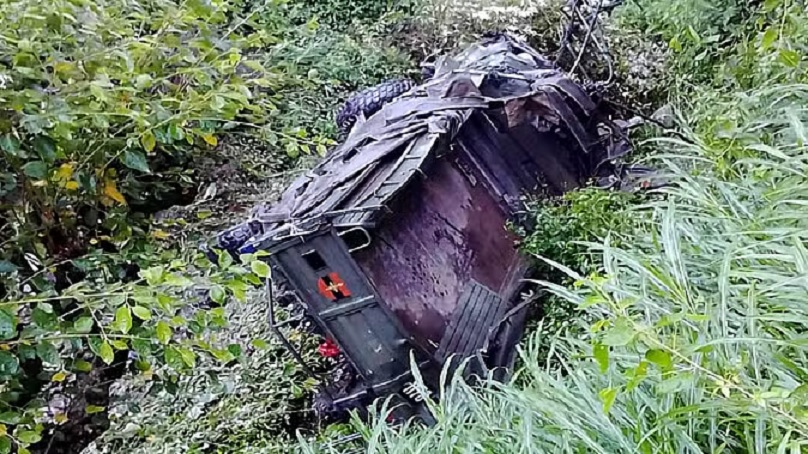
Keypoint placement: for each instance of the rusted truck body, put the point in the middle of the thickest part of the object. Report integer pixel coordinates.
(396, 243)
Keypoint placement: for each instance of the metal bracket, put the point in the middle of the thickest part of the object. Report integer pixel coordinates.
(275, 328)
(363, 231)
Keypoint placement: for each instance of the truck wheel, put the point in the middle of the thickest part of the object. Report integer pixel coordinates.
(231, 240)
(369, 101)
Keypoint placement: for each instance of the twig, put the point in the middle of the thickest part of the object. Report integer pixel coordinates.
(589, 28)
(567, 32)
(603, 51)
(649, 119)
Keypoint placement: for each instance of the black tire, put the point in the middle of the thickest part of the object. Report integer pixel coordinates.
(369, 101)
(233, 238)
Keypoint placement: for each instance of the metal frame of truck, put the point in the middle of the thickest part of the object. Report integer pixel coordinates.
(395, 243)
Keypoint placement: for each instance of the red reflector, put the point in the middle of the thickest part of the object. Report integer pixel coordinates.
(328, 349)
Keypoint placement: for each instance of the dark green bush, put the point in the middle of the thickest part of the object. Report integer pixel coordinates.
(104, 105)
(343, 14)
(562, 229)
(724, 42)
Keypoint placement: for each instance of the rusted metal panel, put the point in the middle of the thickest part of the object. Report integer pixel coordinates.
(446, 231)
(487, 156)
(523, 158)
(473, 297)
(348, 219)
(559, 166)
(482, 319)
(511, 154)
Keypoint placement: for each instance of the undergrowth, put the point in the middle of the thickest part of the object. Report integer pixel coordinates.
(106, 107)
(561, 229)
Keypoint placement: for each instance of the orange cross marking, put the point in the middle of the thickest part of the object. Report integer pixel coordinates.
(333, 288)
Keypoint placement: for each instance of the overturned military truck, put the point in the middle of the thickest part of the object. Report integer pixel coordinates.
(395, 244)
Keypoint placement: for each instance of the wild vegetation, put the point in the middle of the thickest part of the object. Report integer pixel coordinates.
(561, 229)
(108, 111)
(672, 323)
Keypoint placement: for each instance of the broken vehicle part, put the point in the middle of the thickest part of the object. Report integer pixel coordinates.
(395, 243)
(368, 101)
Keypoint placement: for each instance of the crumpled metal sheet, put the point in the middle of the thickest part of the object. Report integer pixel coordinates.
(498, 73)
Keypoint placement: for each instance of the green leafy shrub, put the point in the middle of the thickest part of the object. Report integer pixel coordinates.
(728, 41)
(561, 227)
(253, 404)
(56, 342)
(330, 65)
(103, 106)
(102, 103)
(562, 230)
(343, 14)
